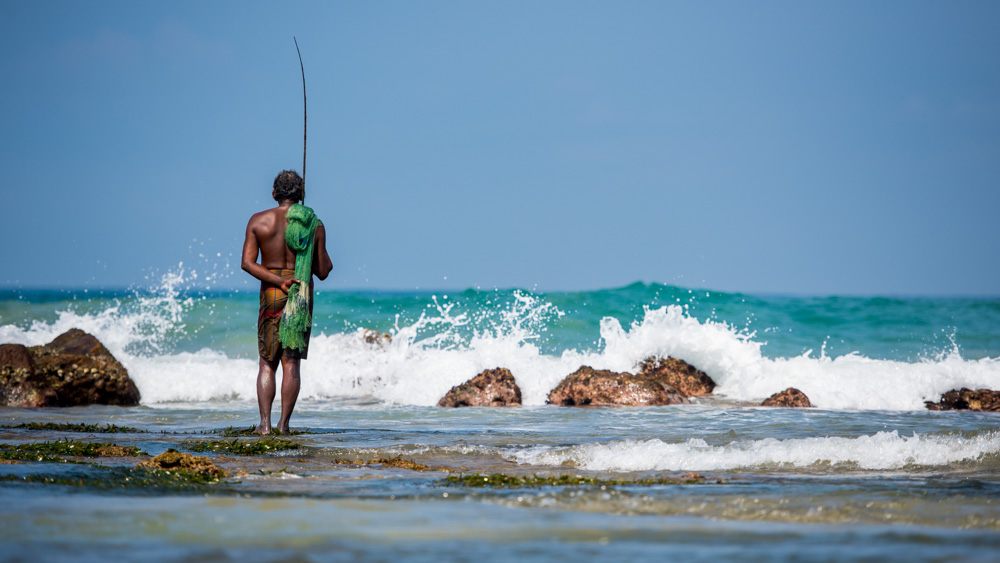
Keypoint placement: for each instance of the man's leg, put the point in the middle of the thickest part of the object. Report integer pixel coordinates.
(289, 390)
(265, 394)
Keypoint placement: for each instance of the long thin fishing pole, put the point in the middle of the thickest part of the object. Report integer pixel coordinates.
(305, 118)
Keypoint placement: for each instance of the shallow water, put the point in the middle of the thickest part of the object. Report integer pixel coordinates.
(828, 489)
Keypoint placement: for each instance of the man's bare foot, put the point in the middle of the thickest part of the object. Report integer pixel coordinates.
(283, 429)
(262, 430)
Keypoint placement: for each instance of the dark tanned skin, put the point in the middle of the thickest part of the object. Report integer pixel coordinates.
(266, 237)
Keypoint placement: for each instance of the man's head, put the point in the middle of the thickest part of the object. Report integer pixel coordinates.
(288, 185)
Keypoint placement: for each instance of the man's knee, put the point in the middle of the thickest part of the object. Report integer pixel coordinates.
(289, 357)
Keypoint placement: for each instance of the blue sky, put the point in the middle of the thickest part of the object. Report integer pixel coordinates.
(775, 147)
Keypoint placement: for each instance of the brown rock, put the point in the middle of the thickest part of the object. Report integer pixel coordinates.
(16, 368)
(16, 358)
(492, 388)
(679, 374)
(589, 386)
(967, 399)
(791, 397)
(376, 337)
(173, 460)
(74, 369)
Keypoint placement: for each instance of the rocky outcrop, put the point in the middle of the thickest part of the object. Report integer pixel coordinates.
(173, 460)
(74, 369)
(591, 387)
(967, 399)
(791, 397)
(678, 374)
(492, 388)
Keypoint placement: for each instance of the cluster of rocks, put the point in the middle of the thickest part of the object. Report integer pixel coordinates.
(658, 381)
(74, 369)
(966, 399)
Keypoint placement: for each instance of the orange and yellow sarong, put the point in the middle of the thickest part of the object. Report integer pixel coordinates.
(272, 303)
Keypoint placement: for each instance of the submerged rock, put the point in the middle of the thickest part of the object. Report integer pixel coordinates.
(111, 450)
(791, 397)
(173, 460)
(678, 374)
(592, 387)
(967, 399)
(74, 369)
(385, 462)
(492, 388)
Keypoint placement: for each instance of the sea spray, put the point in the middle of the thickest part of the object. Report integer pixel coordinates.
(140, 322)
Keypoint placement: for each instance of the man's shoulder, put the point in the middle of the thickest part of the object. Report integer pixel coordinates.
(267, 215)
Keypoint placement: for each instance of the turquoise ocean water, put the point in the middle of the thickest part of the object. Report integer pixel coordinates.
(869, 474)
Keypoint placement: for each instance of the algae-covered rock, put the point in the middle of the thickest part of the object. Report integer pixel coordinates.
(116, 451)
(242, 447)
(966, 399)
(491, 388)
(591, 387)
(385, 462)
(679, 374)
(75, 369)
(173, 460)
(16, 358)
(17, 369)
(791, 398)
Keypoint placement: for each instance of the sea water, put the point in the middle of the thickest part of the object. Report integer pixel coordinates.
(868, 474)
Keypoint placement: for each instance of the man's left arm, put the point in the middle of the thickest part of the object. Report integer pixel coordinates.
(322, 265)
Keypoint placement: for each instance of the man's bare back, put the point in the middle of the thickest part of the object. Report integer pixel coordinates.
(266, 236)
(269, 229)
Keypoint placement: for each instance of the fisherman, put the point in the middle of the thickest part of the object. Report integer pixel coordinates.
(291, 243)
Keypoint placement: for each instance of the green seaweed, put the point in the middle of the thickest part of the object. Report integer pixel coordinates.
(58, 451)
(19, 455)
(502, 481)
(77, 427)
(123, 478)
(234, 432)
(242, 447)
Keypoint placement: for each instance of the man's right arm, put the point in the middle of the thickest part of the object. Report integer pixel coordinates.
(251, 248)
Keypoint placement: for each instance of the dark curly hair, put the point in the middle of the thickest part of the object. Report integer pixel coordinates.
(288, 185)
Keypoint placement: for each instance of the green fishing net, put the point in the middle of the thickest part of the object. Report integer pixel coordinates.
(301, 238)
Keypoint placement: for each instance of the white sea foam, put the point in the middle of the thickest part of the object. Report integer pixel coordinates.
(205, 375)
(733, 359)
(882, 451)
(426, 357)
